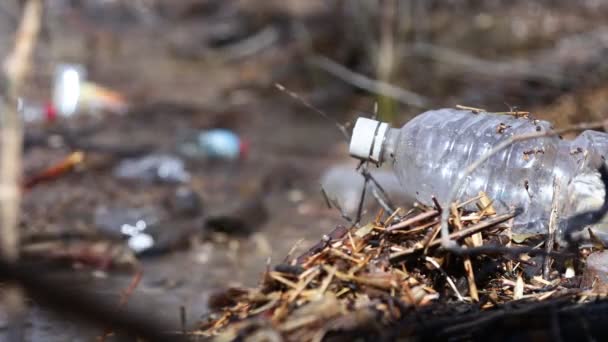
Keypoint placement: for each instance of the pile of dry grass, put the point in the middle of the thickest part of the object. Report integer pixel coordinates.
(378, 279)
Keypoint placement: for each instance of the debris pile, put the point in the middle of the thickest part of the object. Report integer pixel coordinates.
(373, 279)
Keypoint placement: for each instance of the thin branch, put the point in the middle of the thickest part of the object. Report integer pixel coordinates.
(380, 195)
(468, 265)
(383, 203)
(513, 69)
(408, 222)
(16, 67)
(512, 251)
(447, 277)
(363, 165)
(253, 45)
(373, 86)
(552, 228)
(386, 50)
(341, 127)
(461, 234)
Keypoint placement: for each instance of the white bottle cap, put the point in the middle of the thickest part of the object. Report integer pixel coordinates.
(367, 139)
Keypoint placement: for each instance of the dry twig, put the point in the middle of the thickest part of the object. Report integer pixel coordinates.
(511, 69)
(16, 67)
(307, 104)
(350, 279)
(447, 277)
(374, 86)
(552, 228)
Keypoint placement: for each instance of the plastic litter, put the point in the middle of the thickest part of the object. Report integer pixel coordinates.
(135, 225)
(148, 230)
(32, 112)
(431, 152)
(343, 185)
(73, 94)
(153, 168)
(214, 144)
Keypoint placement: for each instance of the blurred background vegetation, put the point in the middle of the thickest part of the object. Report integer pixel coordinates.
(479, 53)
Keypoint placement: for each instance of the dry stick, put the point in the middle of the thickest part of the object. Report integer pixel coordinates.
(16, 67)
(447, 277)
(431, 237)
(378, 192)
(512, 251)
(513, 69)
(552, 227)
(468, 265)
(386, 49)
(383, 198)
(375, 112)
(368, 84)
(408, 222)
(385, 62)
(395, 257)
(182, 318)
(445, 234)
(253, 45)
(55, 171)
(124, 298)
(308, 105)
(418, 229)
(383, 203)
(363, 191)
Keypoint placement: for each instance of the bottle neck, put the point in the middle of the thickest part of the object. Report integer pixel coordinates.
(389, 145)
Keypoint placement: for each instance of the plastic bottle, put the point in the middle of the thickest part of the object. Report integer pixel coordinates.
(431, 152)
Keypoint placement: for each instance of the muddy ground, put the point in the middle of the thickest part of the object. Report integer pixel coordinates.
(176, 83)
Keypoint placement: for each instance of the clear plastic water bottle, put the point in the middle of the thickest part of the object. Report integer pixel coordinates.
(430, 153)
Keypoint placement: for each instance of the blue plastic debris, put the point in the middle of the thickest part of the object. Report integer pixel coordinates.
(215, 144)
